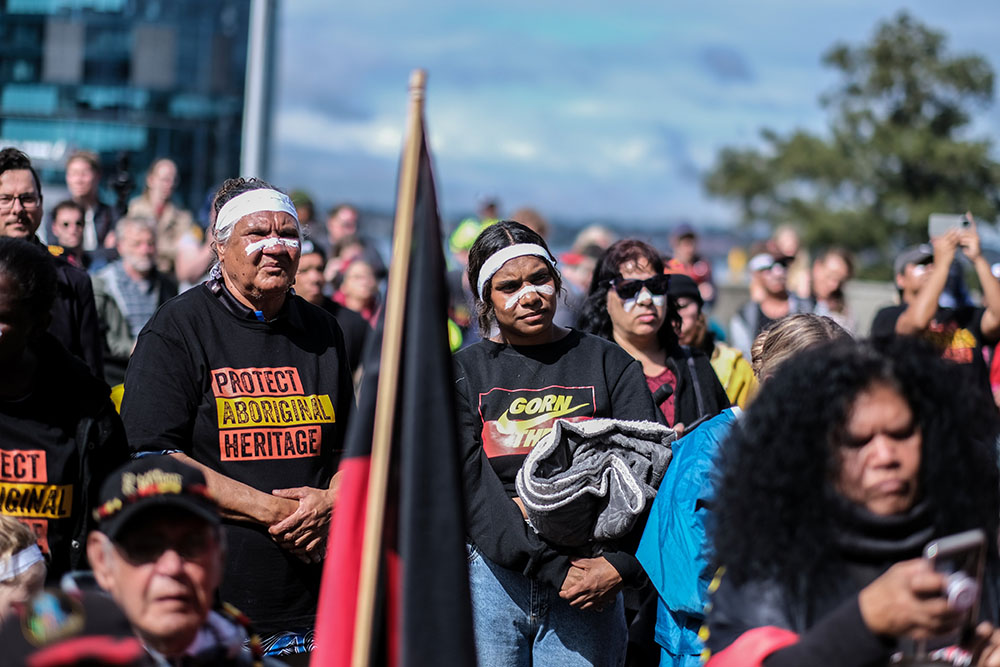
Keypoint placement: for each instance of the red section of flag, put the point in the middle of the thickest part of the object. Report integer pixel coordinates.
(338, 595)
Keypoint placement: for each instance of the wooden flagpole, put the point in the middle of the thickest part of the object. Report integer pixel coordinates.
(385, 401)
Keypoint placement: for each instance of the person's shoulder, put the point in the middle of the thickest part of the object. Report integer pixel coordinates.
(890, 311)
(884, 323)
(477, 351)
(311, 318)
(68, 273)
(140, 206)
(108, 271)
(695, 353)
(344, 315)
(67, 374)
(728, 354)
(593, 344)
(309, 311)
(167, 282)
(718, 427)
(193, 304)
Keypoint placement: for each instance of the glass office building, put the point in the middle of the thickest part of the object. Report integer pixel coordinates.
(142, 78)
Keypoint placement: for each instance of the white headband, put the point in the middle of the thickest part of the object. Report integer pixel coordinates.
(501, 257)
(20, 562)
(253, 202)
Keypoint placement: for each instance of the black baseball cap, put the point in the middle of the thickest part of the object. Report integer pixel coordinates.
(683, 285)
(152, 482)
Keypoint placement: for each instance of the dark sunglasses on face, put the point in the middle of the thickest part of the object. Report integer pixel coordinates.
(627, 288)
(148, 547)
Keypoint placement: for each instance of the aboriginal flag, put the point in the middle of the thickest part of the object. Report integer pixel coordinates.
(422, 611)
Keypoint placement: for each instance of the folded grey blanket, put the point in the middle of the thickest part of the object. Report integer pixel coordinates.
(590, 480)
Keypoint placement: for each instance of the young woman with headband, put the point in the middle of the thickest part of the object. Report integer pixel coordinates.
(534, 603)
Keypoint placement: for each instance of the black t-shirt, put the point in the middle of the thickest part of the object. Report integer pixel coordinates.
(43, 481)
(508, 398)
(355, 328)
(957, 332)
(264, 403)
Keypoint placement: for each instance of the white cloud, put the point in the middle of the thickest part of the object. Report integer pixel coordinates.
(305, 128)
(518, 150)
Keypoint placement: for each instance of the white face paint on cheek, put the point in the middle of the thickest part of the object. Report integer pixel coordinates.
(528, 289)
(270, 243)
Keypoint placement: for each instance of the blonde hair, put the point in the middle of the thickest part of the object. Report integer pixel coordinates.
(14, 536)
(787, 337)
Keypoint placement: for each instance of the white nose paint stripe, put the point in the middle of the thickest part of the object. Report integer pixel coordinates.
(270, 243)
(528, 289)
(644, 296)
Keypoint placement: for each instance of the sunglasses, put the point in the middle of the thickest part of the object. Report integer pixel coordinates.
(627, 288)
(146, 547)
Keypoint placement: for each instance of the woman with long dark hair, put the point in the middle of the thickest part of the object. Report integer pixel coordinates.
(535, 603)
(852, 458)
(629, 305)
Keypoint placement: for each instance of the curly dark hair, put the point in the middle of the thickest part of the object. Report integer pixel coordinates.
(775, 502)
(32, 271)
(595, 318)
(491, 240)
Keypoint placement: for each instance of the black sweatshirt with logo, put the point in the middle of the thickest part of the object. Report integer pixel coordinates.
(264, 403)
(508, 398)
(57, 444)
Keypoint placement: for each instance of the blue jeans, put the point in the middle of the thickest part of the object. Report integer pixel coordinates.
(520, 622)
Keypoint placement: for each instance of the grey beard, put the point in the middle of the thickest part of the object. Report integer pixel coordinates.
(141, 265)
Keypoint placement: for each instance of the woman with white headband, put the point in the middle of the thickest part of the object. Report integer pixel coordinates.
(534, 603)
(251, 383)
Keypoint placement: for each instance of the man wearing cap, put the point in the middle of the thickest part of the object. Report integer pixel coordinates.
(770, 300)
(158, 551)
(921, 275)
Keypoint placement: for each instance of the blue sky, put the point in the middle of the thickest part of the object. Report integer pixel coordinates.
(584, 110)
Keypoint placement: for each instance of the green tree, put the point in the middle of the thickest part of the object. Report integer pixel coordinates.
(897, 147)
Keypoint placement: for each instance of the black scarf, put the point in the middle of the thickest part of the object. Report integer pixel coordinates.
(870, 538)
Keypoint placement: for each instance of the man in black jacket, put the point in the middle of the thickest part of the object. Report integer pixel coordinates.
(74, 315)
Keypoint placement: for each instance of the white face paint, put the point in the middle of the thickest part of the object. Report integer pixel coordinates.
(528, 289)
(270, 243)
(643, 297)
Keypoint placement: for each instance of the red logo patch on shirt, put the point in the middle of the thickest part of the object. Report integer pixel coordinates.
(515, 420)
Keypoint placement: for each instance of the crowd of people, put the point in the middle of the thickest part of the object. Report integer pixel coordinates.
(793, 479)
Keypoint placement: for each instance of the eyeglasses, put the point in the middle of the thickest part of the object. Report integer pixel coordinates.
(144, 547)
(29, 201)
(627, 288)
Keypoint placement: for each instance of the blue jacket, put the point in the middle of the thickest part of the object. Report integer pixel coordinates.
(674, 548)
